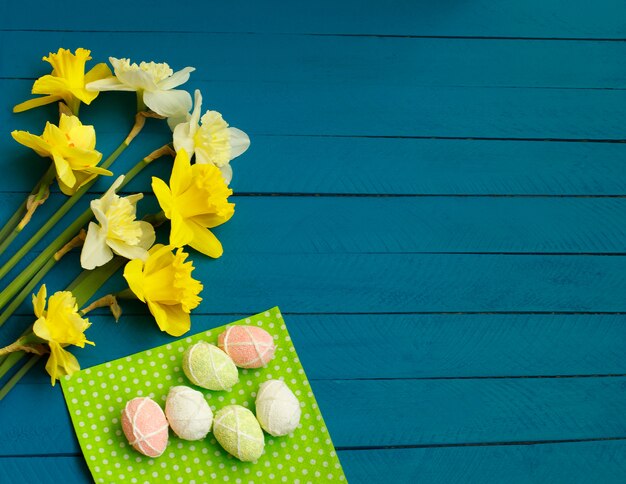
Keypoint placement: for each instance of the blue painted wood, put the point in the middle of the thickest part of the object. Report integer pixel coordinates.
(303, 225)
(510, 18)
(331, 115)
(352, 165)
(570, 463)
(393, 62)
(441, 345)
(580, 462)
(380, 413)
(395, 283)
(405, 110)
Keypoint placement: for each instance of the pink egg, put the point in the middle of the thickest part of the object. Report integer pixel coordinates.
(248, 346)
(145, 426)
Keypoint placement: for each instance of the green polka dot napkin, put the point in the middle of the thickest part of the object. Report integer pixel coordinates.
(96, 397)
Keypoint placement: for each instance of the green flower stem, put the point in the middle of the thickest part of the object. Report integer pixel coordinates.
(52, 221)
(10, 361)
(28, 289)
(18, 376)
(29, 272)
(19, 219)
(83, 288)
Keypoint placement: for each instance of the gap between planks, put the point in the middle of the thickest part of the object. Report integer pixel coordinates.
(330, 34)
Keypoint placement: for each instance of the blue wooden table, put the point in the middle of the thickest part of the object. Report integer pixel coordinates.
(434, 196)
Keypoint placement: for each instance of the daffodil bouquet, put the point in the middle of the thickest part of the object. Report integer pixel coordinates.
(194, 200)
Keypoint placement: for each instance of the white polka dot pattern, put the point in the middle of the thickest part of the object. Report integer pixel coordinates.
(96, 397)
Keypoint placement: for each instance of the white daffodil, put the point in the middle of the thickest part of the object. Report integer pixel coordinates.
(153, 82)
(118, 231)
(210, 138)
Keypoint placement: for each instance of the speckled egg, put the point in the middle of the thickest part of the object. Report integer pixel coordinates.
(145, 426)
(248, 346)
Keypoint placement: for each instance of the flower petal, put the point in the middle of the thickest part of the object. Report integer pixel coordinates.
(133, 273)
(108, 84)
(128, 251)
(134, 77)
(97, 73)
(61, 362)
(64, 172)
(181, 233)
(204, 241)
(35, 103)
(163, 194)
(176, 79)
(95, 251)
(181, 173)
(239, 142)
(227, 172)
(183, 138)
(171, 319)
(39, 301)
(40, 328)
(31, 141)
(168, 103)
(148, 236)
(50, 85)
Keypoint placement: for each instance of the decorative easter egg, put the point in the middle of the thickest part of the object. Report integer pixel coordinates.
(277, 408)
(248, 346)
(188, 413)
(145, 426)
(236, 429)
(209, 367)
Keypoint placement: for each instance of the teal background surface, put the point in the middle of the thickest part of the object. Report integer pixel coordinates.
(435, 195)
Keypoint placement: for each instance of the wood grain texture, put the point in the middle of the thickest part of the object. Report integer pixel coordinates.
(571, 463)
(580, 462)
(328, 61)
(405, 111)
(430, 321)
(534, 18)
(370, 166)
(349, 225)
(428, 345)
(422, 412)
(396, 283)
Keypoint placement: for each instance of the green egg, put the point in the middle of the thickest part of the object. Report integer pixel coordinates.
(238, 431)
(209, 367)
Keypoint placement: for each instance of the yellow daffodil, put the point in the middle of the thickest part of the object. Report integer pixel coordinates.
(118, 231)
(153, 82)
(165, 284)
(210, 138)
(195, 201)
(60, 325)
(72, 147)
(67, 81)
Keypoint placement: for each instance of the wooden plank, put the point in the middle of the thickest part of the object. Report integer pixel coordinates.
(371, 165)
(405, 111)
(395, 283)
(579, 462)
(429, 345)
(570, 463)
(302, 225)
(534, 18)
(366, 413)
(287, 59)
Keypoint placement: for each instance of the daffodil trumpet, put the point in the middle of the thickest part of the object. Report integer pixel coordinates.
(44, 258)
(67, 81)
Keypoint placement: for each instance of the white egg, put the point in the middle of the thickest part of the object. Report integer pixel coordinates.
(188, 413)
(277, 408)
